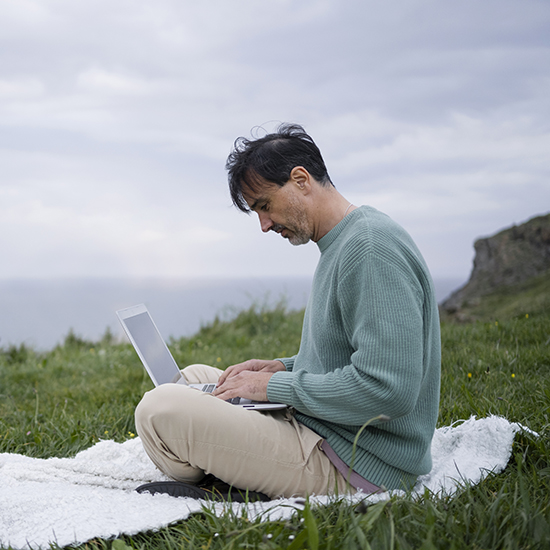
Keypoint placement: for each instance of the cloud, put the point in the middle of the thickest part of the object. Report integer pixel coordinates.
(116, 120)
(106, 82)
(21, 88)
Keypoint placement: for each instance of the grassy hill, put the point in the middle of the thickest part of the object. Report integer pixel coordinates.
(531, 297)
(62, 401)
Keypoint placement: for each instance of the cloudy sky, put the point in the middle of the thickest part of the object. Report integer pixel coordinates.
(116, 117)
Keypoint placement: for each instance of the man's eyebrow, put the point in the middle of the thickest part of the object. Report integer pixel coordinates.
(256, 202)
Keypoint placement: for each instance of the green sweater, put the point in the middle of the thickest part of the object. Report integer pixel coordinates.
(370, 346)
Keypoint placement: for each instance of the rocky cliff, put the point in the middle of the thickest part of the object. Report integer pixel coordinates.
(505, 260)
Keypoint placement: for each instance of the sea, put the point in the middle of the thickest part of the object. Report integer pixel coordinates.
(41, 313)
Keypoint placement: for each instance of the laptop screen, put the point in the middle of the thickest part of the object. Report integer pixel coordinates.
(151, 348)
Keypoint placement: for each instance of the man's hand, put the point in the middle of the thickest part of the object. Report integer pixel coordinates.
(248, 379)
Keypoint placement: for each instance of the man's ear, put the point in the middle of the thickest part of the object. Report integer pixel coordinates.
(300, 177)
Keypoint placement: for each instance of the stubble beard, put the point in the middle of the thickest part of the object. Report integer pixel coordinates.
(300, 233)
(296, 239)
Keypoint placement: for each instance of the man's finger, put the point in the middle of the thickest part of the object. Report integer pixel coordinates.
(226, 374)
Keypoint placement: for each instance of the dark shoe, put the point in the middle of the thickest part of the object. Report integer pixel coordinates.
(173, 488)
(210, 489)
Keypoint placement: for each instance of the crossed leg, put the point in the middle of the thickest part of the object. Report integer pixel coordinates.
(188, 434)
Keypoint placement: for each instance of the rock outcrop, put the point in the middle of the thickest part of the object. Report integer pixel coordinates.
(506, 259)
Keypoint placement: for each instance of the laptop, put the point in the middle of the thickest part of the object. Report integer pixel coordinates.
(159, 362)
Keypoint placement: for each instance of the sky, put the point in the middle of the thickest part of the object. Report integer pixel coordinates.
(117, 116)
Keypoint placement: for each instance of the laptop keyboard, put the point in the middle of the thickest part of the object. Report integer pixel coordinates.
(210, 388)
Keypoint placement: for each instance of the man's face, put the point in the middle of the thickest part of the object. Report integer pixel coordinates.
(281, 209)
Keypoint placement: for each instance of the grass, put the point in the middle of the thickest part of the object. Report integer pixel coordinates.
(62, 401)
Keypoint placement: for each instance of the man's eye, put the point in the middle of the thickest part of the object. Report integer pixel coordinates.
(264, 208)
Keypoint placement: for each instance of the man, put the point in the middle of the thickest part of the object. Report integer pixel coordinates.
(363, 390)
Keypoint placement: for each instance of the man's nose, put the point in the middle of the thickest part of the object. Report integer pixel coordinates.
(265, 222)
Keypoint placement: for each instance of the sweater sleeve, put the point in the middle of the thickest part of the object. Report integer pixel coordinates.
(379, 318)
(288, 362)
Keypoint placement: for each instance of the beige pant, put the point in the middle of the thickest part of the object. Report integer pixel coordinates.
(188, 433)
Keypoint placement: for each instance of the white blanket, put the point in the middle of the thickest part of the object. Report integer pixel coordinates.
(71, 500)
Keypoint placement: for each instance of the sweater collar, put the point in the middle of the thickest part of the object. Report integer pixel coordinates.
(324, 242)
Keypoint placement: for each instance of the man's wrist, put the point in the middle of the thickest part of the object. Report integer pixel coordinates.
(287, 362)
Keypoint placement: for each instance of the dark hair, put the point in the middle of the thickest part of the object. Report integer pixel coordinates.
(269, 160)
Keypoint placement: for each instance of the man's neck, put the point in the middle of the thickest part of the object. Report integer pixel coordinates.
(328, 209)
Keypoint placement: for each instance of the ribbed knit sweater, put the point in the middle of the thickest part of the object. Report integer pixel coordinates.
(370, 346)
